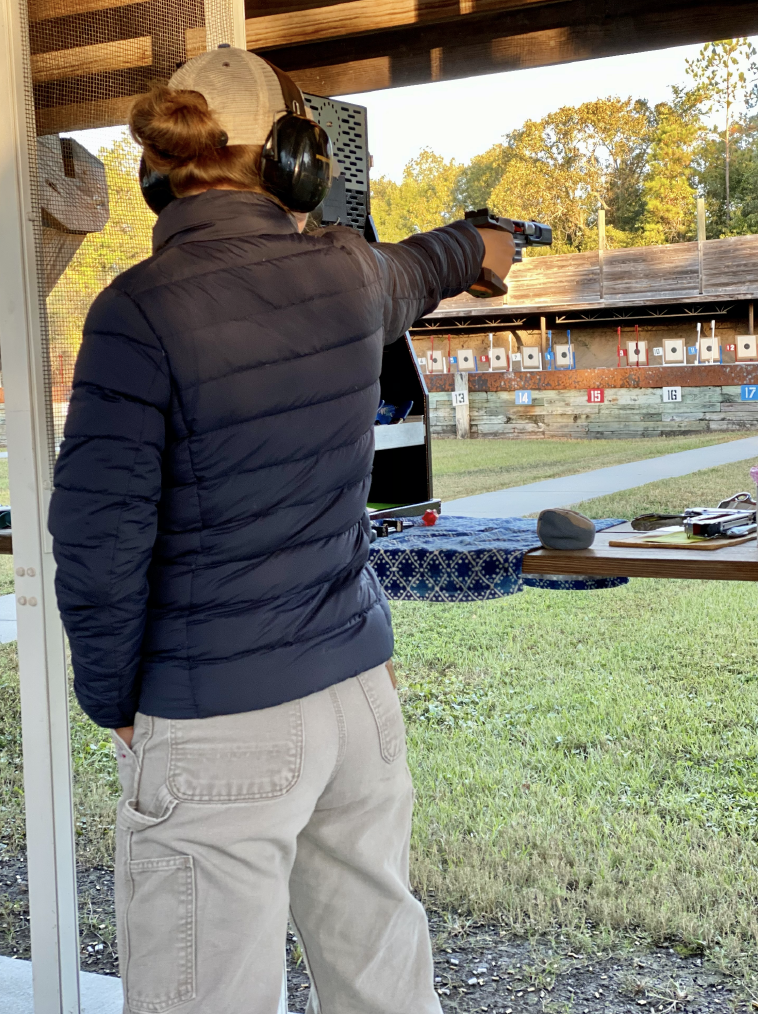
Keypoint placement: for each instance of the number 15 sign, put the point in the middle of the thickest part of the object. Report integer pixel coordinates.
(596, 396)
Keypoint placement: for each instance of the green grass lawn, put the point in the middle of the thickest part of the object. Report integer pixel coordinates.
(586, 763)
(589, 760)
(700, 489)
(466, 467)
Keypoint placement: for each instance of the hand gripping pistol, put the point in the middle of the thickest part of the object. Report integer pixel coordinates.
(524, 234)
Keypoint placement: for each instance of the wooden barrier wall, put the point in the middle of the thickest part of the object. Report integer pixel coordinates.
(633, 403)
(649, 274)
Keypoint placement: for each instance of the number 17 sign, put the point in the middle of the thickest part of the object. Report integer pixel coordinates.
(596, 395)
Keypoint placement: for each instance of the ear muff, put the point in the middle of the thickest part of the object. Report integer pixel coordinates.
(155, 188)
(296, 163)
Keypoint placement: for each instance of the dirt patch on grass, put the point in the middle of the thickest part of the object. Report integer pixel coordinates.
(477, 968)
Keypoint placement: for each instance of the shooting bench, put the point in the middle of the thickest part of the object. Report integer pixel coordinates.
(733, 563)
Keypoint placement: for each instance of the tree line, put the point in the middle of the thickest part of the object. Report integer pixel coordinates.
(643, 164)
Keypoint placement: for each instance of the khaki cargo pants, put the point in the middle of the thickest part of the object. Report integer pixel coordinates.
(229, 824)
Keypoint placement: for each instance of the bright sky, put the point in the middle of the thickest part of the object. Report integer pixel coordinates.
(459, 119)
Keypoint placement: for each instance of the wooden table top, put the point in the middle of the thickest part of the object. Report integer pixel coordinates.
(733, 563)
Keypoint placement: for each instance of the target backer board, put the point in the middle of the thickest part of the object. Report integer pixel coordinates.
(673, 351)
(531, 357)
(745, 349)
(499, 359)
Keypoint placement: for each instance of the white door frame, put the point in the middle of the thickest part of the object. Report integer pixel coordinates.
(42, 662)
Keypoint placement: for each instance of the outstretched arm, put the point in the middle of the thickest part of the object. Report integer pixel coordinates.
(421, 270)
(104, 509)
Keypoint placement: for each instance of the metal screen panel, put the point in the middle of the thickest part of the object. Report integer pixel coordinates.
(88, 59)
(346, 125)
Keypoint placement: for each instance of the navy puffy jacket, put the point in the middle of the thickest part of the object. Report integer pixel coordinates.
(209, 507)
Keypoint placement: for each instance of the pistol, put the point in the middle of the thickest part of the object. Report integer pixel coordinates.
(488, 284)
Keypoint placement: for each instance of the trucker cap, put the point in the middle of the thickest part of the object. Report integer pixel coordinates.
(241, 89)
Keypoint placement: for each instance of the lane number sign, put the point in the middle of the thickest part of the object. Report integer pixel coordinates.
(672, 394)
(596, 396)
(523, 397)
(460, 398)
(749, 392)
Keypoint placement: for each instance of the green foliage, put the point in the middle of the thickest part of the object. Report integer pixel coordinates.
(724, 76)
(426, 198)
(743, 180)
(645, 167)
(668, 189)
(563, 168)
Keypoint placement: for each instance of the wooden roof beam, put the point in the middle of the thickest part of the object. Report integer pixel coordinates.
(511, 40)
(355, 18)
(46, 10)
(103, 56)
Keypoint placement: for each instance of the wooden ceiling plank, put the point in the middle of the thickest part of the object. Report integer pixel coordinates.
(64, 63)
(359, 17)
(84, 115)
(46, 10)
(374, 74)
(465, 47)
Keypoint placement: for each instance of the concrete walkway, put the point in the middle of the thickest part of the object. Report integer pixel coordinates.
(101, 994)
(570, 489)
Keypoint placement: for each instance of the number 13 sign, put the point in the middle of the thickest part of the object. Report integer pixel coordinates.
(596, 396)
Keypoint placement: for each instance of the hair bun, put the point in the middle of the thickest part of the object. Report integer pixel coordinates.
(174, 127)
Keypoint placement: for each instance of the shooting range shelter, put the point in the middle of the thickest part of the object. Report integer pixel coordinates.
(69, 65)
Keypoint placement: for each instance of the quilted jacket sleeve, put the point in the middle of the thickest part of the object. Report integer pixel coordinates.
(103, 513)
(421, 270)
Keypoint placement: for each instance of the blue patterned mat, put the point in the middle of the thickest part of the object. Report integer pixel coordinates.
(469, 559)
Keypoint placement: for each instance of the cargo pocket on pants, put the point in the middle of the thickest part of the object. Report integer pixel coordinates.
(384, 703)
(160, 929)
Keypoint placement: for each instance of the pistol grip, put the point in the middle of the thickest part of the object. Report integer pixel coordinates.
(488, 285)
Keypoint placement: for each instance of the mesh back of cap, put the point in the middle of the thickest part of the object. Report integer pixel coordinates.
(87, 61)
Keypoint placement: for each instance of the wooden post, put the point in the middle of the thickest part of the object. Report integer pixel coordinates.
(224, 23)
(462, 415)
(543, 333)
(601, 250)
(701, 220)
(700, 241)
